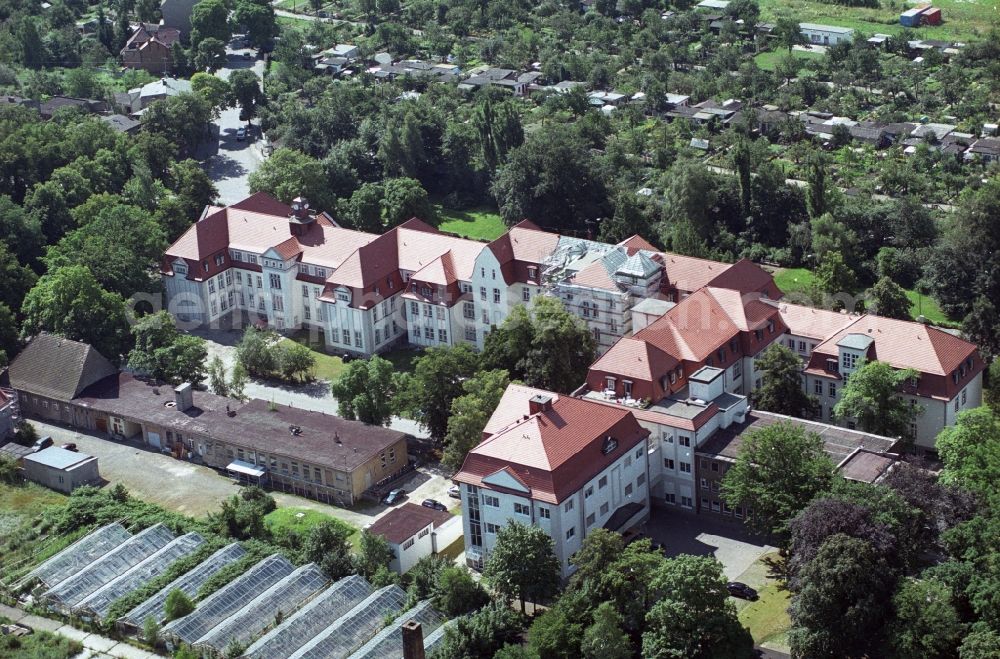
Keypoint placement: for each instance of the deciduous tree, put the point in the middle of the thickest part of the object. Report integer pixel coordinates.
(927, 624)
(781, 391)
(436, 381)
(887, 298)
(872, 397)
(778, 471)
(327, 544)
(366, 390)
(164, 353)
(523, 565)
(469, 414)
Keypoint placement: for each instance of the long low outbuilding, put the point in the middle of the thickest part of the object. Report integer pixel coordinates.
(60, 469)
(309, 453)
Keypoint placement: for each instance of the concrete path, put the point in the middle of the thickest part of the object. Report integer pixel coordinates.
(94, 645)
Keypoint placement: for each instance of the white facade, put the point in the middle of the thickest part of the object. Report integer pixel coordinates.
(825, 35)
(567, 522)
(427, 541)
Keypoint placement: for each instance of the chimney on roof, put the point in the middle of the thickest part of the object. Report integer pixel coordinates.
(539, 403)
(413, 640)
(301, 217)
(184, 397)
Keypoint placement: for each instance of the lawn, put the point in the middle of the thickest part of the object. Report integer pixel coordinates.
(769, 60)
(477, 223)
(767, 618)
(39, 644)
(300, 520)
(21, 503)
(800, 281)
(327, 366)
(963, 19)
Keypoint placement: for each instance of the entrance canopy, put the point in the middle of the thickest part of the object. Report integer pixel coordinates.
(245, 468)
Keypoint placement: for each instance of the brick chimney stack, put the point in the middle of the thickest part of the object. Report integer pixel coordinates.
(301, 217)
(539, 403)
(413, 640)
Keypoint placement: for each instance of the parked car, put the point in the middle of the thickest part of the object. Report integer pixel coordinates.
(69, 447)
(455, 492)
(434, 503)
(394, 497)
(241, 134)
(40, 444)
(741, 590)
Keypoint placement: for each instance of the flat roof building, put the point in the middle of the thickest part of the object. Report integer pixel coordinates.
(60, 469)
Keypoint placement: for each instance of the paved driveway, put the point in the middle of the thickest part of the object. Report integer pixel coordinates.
(229, 161)
(687, 533)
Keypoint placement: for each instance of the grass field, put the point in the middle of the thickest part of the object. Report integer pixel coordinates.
(767, 618)
(477, 223)
(327, 366)
(300, 520)
(800, 281)
(20, 503)
(769, 60)
(962, 19)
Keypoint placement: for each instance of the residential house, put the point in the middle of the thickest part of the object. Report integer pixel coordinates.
(565, 464)
(825, 35)
(986, 149)
(513, 81)
(53, 104)
(414, 532)
(134, 101)
(150, 48)
(859, 456)
(122, 124)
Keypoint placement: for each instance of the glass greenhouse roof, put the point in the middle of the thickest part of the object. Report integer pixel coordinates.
(355, 627)
(80, 554)
(388, 643)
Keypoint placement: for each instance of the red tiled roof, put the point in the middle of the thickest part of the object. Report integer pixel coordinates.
(402, 523)
(747, 277)
(906, 344)
(595, 275)
(813, 323)
(524, 242)
(632, 358)
(688, 274)
(555, 451)
(636, 243)
(513, 406)
(261, 202)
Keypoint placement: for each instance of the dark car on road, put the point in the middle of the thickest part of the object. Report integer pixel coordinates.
(70, 447)
(741, 590)
(394, 497)
(434, 503)
(42, 443)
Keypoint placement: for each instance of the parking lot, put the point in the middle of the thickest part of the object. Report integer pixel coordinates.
(687, 533)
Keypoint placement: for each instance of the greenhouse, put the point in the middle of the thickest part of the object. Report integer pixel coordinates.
(355, 627)
(78, 555)
(188, 583)
(388, 643)
(73, 590)
(435, 639)
(232, 597)
(282, 599)
(301, 627)
(97, 603)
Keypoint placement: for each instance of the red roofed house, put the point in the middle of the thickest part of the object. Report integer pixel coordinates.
(150, 48)
(565, 464)
(950, 368)
(414, 531)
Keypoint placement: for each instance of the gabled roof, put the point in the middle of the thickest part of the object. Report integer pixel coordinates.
(812, 323)
(402, 523)
(513, 405)
(555, 451)
(632, 358)
(635, 243)
(745, 276)
(906, 344)
(58, 368)
(524, 242)
(686, 273)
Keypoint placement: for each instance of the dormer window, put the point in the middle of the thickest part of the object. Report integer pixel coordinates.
(343, 296)
(180, 268)
(532, 272)
(722, 355)
(321, 272)
(219, 259)
(770, 327)
(204, 266)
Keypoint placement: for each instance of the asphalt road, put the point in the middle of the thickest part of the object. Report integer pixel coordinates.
(229, 161)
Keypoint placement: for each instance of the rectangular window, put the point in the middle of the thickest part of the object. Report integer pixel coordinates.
(211, 285)
(428, 332)
(628, 490)
(544, 513)
(521, 509)
(568, 506)
(715, 466)
(685, 467)
(496, 295)
(639, 482)
(604, 508)
(589, 492)
(833, 390)
(591, 518)
(704, 483)
(239, 277)
(964, 394)
(229, 277)
(260, 282)
(715, 486)
(347, 336)
(491, 501)
(571, 532)
(684, 441)
(482, 293)
(601, 484)
(275, 281)
(526, 294)
(357, 339)
(492, 528)
(686, 502)
(668, 463)
(219, 259)
(468, 310)
(818, 388)
(305, 291)
(278, 303)
(442, 336)
(378, 334)
(470, 333)
(669, 497)
(439, 313)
